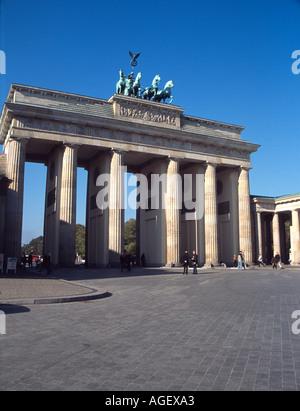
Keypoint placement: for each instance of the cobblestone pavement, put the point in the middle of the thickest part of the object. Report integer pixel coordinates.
(222, 329)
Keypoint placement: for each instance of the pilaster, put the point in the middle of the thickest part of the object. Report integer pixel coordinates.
(68, 206)
(174, 195)
(295, 238)
(15, 150)
(211, 216)
(244, 215)
(276, 234)
(116, 208)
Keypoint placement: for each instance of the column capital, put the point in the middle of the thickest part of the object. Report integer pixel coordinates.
(177, 159)
(18, 139)
(71, 145)
(119, 151)
(245, 168)
(210, 163)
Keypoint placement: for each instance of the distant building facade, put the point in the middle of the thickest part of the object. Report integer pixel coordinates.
(276, 227)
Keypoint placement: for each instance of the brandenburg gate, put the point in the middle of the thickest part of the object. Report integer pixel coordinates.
(65, 131)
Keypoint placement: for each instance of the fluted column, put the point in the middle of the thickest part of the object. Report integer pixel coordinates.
(259, 233)
(276, 234)
(211, 216)
(295, 238)
(173, 212)
(244, 215)
(15, 151)
(116, 208)
(68, 206)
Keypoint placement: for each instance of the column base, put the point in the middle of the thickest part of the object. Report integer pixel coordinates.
(211, 265)
(170, 265)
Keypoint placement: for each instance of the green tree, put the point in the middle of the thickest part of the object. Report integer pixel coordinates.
(36, 244)
(80, 240)
(130, 236)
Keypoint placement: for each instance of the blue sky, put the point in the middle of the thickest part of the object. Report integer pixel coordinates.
(230, 61)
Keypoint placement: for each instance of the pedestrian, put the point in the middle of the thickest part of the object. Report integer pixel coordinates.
(235, 261)
(128, 261)
(244, 260)
(122, 261)
(278, 259)
(274, 262)
(47, 264)
(260, 261)
(143, 260)
(194, 262)
(30, 257)
(186, 262)
(24, 260)
(240, 260)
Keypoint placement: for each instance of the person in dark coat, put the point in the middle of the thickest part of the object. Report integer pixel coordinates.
(185, 262)
(194, 262)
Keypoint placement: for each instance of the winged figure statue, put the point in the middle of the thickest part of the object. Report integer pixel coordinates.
(134, 57)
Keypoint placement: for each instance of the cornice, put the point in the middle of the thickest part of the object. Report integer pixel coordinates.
(69, 119)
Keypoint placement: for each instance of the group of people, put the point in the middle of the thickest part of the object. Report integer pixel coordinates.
(276, 261)
(41, 263)
(188, 260)
(239, 261)
(126, 261)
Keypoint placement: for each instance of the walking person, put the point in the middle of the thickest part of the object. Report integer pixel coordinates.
(240, 260)
(186, 262)
(278, 259)
(260, 261)
(122, 261)
(194, 262)
(274, 262)
(244, 260)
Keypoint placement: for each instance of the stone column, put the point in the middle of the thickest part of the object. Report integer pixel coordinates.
(116, 208)
(211, 216)
(276, 234)
(295, 238)
(173, 212)
(68, 206)
(244, 215)
(259, 233)
(16, 152)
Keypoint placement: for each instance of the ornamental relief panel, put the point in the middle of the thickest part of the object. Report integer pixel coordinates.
(143, 114)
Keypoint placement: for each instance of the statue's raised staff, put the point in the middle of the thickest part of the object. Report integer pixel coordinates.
(133, 61)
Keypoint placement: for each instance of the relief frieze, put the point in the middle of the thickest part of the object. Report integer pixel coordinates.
(145, 114)
(141, 114)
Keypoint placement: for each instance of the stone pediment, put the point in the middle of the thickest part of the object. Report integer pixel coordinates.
(146, 112)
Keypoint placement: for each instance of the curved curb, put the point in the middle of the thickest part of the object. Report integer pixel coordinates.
(57, 300)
